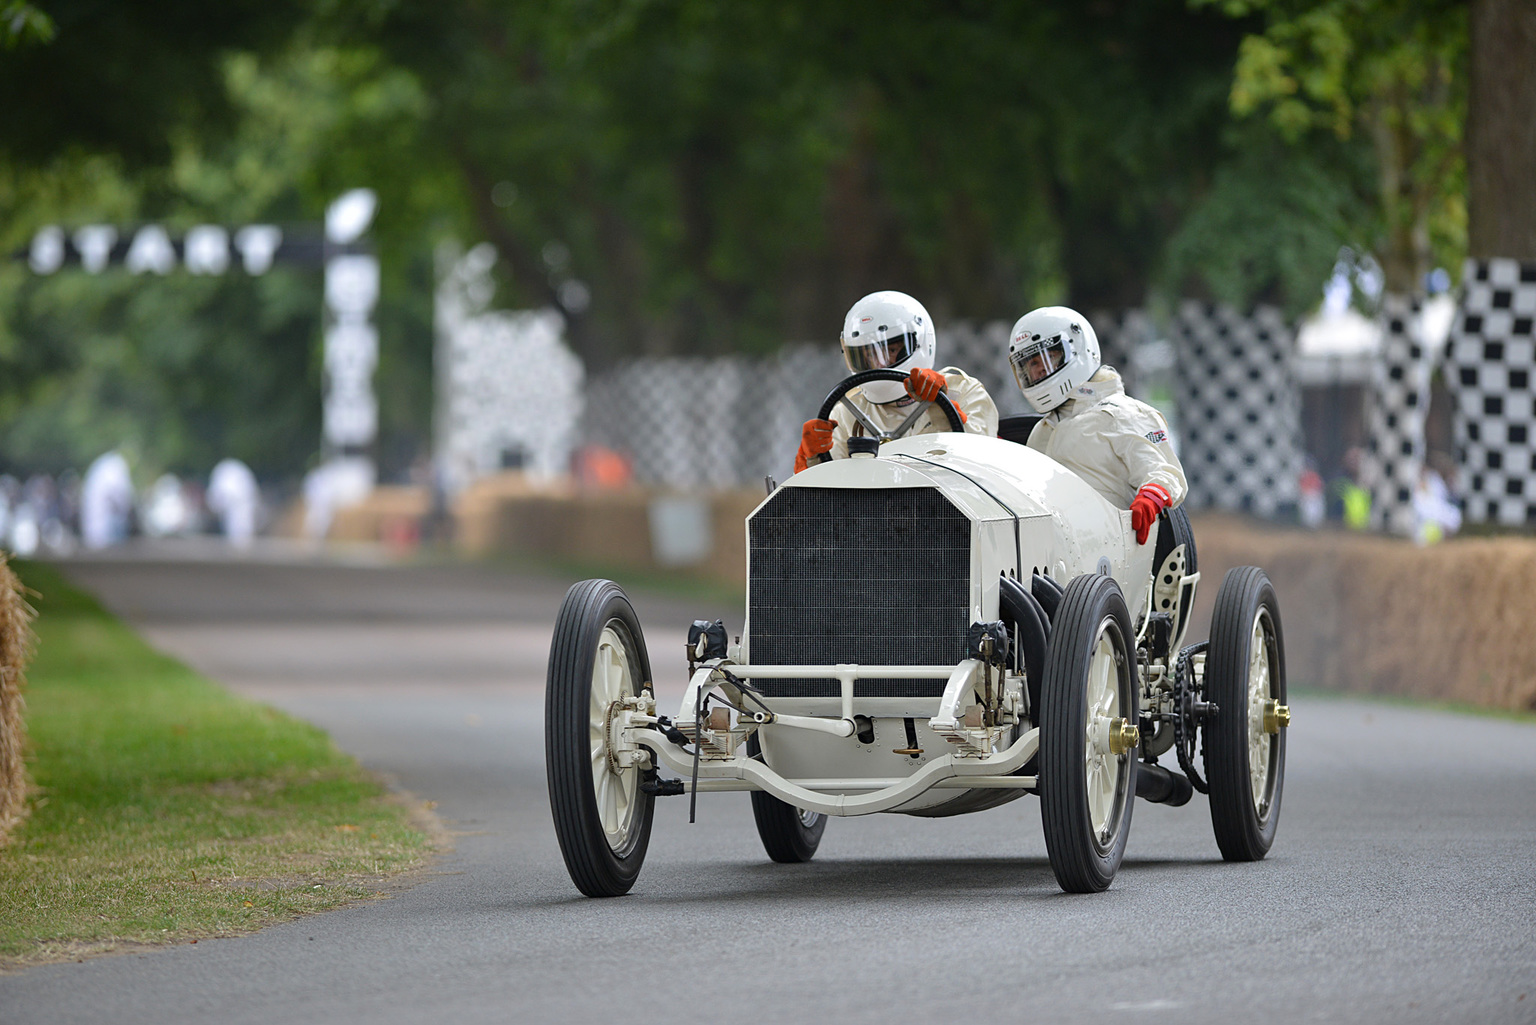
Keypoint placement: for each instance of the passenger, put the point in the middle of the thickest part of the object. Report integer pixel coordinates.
(892, 331)
(1090, 425)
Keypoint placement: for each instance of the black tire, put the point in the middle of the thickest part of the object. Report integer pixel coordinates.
(1245, 809)
(595, 621)
(1091, 634)
(789, 835)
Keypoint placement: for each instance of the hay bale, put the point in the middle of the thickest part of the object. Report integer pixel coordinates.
(1377, 615)
(15, 649)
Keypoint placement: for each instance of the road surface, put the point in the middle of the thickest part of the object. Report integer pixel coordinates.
(1402, 887)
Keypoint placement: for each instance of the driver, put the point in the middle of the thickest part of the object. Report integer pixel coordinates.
(1090, 425)
(892, 331)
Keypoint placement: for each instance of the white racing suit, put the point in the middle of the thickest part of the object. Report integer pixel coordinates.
(968, 394)
(1114, 442)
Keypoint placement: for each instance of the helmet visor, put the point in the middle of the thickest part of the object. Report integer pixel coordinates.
(880, 352)
(1038, 361)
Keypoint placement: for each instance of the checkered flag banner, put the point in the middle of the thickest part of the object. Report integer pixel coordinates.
(1120, 335)
(1239, 408)
(1490, 362)
(509, 388)
(721, 422)
(1399, 402)
(982, 351)
(699, 422)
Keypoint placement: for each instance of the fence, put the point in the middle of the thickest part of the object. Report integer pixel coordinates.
(729, 421)
(1226, 380)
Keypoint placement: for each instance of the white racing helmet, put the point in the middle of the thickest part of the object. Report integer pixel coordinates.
(887, 331)
(1053, 351)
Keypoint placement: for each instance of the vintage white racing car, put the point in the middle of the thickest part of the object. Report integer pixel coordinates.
(938, 624)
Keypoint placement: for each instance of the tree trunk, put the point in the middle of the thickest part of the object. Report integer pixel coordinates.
(1501, 130)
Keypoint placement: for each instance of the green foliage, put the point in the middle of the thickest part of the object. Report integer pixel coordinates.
(181, 372)
(1393, 70)
(22, 23)
(114, 79)
(1271, 223)
(720, 177)
(185, 370)
(732, 175)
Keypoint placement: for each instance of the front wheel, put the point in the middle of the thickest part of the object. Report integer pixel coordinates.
(1088, 736)
(602, 817)
(790, 835)
(1245, 745)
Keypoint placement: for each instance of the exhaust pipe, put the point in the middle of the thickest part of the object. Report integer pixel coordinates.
(1160, 786)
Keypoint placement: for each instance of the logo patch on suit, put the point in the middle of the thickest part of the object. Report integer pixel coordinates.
(1157, 437)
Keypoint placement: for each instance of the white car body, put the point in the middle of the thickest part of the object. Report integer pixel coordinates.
(1026, 514)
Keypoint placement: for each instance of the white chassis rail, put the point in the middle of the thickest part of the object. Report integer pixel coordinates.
(977, 762)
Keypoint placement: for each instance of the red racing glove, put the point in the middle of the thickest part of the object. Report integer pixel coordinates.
(1149, 501)
(815, 438)
(925, 384)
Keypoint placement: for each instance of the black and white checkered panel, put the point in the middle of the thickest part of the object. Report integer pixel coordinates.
(1120, 335)
(1492, 357)
(1239, 408)
(1399, 402)
(981, 350)
(695, 422)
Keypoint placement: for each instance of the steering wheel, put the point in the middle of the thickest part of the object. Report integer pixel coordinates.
(863, 377)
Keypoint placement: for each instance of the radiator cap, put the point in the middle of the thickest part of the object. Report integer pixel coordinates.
(863, 447)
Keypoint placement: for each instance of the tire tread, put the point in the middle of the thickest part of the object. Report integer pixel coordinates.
(1077, 865)
(593, 867)
(1239, 833)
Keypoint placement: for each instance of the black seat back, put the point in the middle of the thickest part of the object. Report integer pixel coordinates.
(1016, 428)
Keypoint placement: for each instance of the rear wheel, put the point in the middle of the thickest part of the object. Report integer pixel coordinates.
(1245, 744)
(1087, 741)
(790, 835)
(602, 817)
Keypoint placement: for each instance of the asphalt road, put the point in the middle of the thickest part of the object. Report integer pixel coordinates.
(1402, 887)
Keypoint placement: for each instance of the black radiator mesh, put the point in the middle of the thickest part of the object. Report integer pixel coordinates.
(874, 577)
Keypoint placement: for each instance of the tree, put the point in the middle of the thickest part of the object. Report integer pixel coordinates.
(1394, 70)
(733, 175)
(1501, 130)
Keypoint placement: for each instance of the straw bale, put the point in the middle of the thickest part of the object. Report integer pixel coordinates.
(1377, 615)
(15, 649)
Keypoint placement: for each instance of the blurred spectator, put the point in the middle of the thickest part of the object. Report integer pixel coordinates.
(1311, 503)
(599, 467)
(106, 499)
(330, 486)
(234, 497)
(25, 533)
(10, 498)
(165, 511)
(1436, 514)
(1355, 500)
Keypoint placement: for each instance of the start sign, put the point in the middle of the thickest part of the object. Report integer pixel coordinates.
(204, 249)
(350, 414)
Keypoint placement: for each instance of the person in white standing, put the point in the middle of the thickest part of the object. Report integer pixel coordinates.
(234, 497)
(106, 497)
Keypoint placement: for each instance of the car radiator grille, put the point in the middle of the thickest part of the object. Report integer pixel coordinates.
(874, 577)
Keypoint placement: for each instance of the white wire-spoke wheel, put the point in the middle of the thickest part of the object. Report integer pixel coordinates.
(1088, 735)
(790, 835)
(1245, 744)
(602, 817)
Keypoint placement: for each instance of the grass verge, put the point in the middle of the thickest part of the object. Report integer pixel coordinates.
(1414, 702)
(165, 808)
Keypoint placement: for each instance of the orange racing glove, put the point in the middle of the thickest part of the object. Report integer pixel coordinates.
(1149, 501)
(815, 438)
(925, 384)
